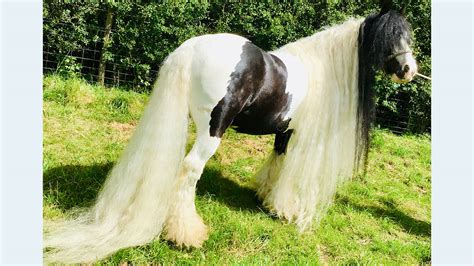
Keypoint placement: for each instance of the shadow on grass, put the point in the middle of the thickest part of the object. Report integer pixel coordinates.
(73, 186)
(409, 224)
(226, 191)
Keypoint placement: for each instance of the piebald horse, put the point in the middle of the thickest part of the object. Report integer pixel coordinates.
(314, 94)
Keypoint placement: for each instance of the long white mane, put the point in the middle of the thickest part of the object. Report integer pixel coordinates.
(321, 153)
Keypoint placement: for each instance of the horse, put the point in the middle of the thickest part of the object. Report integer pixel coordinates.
(315, 94)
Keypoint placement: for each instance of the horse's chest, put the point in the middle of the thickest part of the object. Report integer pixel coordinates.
(256, 101)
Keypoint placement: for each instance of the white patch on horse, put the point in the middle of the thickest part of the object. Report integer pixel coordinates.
(297, 80)
(216, 58)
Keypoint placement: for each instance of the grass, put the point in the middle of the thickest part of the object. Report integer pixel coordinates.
(381, 218)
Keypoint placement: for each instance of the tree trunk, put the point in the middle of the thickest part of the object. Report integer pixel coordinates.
(106, 43)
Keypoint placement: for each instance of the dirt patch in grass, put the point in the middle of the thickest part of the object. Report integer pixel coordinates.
(123, 127)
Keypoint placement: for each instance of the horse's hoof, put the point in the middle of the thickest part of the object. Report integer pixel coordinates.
(187, 232)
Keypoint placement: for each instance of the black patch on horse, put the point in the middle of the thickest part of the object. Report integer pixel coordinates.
(255, 102)
(281, 141)
(379, 38)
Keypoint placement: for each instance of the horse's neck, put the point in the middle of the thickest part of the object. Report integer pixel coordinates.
(334, 49)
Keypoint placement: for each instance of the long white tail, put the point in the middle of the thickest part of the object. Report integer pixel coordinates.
(133, 204)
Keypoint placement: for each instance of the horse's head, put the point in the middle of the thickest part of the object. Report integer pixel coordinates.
(386, 40)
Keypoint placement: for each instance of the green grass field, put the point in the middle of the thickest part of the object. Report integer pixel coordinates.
(381, 218)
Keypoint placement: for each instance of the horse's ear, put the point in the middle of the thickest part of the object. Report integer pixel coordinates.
(385, 6)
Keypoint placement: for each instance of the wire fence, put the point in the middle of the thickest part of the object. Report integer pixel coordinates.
(88, 61)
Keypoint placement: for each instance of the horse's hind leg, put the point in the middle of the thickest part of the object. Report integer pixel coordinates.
(184, 226)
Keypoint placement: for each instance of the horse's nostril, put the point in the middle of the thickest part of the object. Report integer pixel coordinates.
(406, 68)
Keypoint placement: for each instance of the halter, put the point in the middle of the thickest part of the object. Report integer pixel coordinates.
(390, 57)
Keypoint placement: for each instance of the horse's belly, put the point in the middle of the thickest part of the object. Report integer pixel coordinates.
(259, 122)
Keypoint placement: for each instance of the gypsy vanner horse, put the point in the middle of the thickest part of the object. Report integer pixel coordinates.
(315, 94)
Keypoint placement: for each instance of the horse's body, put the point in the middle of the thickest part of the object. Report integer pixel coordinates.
(236, 83)
(312, 94)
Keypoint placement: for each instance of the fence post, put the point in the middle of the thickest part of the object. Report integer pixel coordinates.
(106, 43)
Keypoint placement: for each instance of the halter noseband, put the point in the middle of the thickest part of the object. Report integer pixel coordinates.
(390, 57)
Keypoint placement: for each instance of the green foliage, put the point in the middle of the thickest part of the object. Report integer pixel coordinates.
(69, 66)
(144, 33)
(68, 26)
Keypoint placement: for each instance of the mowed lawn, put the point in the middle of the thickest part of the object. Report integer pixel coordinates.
(381, 218)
